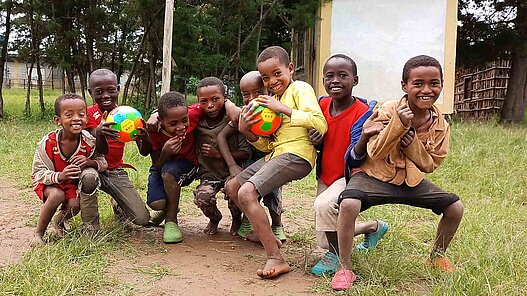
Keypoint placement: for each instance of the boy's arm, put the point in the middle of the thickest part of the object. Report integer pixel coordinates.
(428, 160)
(232, 111)
(307, 112)
(379, 146)
(170, 148)
(223, 146)
(41, 171)
(143, 142)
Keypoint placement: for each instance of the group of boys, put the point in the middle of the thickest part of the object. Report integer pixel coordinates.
(368, 155)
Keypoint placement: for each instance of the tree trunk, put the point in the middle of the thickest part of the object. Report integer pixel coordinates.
(3, 56)
(40, 86)
(516, 98)
(27, 109)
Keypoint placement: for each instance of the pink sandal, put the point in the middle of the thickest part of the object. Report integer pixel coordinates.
(343, 279)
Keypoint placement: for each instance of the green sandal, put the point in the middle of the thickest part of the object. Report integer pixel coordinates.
(172, 233)
(245, 227)
(279, 233)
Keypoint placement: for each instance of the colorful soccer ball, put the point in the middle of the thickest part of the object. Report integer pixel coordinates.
(127, 121)
(269, 123)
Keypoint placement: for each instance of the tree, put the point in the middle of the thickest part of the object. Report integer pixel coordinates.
(8, 5)
(491, 29)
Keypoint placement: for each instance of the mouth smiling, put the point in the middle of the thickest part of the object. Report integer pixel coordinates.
(426, 98)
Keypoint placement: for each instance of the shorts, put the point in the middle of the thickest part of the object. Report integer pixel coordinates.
(372, 192)
(69, 189)
(268, 175)
(182, 169)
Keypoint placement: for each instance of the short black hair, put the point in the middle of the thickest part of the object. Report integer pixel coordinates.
(347, 58)
(64, 97)
(208, 81)
(102, 72)
(274, 52)
(169, 100)
(421, 61)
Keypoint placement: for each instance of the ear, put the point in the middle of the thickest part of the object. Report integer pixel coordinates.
(404, 86)
(291, 68)
(56, 120)
(355, 80)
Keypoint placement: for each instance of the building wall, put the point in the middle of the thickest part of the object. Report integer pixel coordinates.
(382, 35)
(16, 75)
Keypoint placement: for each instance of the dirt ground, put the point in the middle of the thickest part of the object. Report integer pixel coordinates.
(201, 265)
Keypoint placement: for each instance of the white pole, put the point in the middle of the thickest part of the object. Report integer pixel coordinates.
(167, 46)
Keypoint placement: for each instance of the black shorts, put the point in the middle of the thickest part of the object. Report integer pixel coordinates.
(372, 192)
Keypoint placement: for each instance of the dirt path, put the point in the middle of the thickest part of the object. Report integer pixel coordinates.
(15, 212)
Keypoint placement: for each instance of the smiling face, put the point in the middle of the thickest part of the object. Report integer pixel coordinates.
(251, 87)
(104, 91)
(211, 99)
(276, 75)
(176, 121)
(339, 78)
(72, 116)
(423, 87)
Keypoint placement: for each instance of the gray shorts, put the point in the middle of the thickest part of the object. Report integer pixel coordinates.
(268, 175)
(372, 192)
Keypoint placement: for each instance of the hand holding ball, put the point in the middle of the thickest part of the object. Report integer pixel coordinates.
(269, 120)
(127, 121)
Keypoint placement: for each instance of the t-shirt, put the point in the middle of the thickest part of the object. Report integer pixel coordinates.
(187, 151)
(337, 138)
(216, 169)
(114, 157)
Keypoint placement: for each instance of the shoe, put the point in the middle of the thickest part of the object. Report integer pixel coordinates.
(279, 233)
(371, 240)
(245, 227)
(327, 265)
(441, 263)
(172, 233)
(343, 279)
(157, 217)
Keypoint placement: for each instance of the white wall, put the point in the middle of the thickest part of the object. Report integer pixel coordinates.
(382, 35)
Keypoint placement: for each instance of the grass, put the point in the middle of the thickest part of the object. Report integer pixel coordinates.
(485, 167)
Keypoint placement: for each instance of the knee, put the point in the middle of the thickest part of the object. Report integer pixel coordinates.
(323, 206)
(455, 210)
(158, 205)
(168, 178)
(350, 205)
(89, 183)
(232, 187)
(247, 194)
(204, 200)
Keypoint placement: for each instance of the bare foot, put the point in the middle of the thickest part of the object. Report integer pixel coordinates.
(59, 228)
(273, 268)
(36, 239)
(212, 227)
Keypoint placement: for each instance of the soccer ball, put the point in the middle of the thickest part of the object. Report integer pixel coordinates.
(127, 121)
(269, 123)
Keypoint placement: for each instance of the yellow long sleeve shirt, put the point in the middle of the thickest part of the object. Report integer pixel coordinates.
(389, 162)
(292, 135)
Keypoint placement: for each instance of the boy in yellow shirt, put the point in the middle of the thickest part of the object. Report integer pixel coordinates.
(292, 155)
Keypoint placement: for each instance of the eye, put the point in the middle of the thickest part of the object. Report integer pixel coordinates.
(343, 75)
(98, 92)
(278, 73)
(328, 76)
(265, 78)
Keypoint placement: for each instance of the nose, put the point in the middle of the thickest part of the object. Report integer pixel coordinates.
(426, 88)
(210, 105)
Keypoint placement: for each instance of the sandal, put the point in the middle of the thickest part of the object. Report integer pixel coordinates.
(327, 265)
(172, 233)
(279, 233)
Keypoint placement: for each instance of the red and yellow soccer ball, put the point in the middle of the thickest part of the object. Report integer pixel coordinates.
(269, 123)
(127, 120)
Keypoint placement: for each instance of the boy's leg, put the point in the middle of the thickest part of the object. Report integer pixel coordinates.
(447, 227)
(205, 199)
(274, 173)
(326, 211)
(236, 214)
(88, 185)
(117, 184)
(53, 197)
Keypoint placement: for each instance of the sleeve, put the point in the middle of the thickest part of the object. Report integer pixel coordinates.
(352, 160)
(92, 123)
(42, 169)
(307, 112)
(102, 164)
(380, 145)
(427, 160)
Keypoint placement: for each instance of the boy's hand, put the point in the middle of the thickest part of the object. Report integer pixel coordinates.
(315, 136)
(172, 146)
(273, 104)
(104, 129)
(407, 139)
(405, 114)
(143, 133)
(247, 119)
(82, 161)
(152, 125)
(235, 170)
(70, 172)
(370, 127)
(209, 151)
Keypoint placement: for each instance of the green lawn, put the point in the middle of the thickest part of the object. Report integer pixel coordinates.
(486, 167)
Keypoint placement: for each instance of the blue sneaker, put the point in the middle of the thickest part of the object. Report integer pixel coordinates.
(327, 265)
(372, 240)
